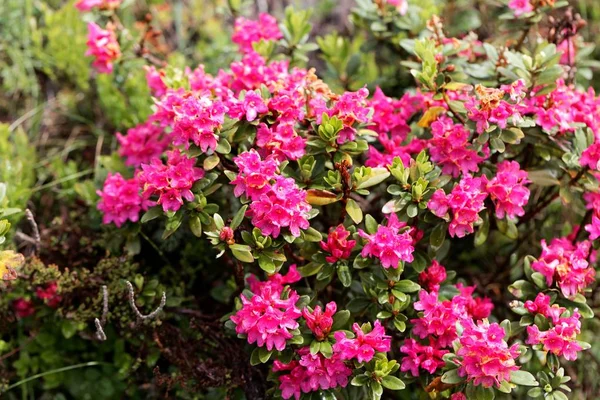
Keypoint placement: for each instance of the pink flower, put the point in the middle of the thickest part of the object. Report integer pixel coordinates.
(320, 322)
(23, 308)
(458, 396)
(277, 280)
(520, 7)
(120, 200)
(364, 345)
(103, 46)
(593, 228)
(171, 182)
(508, 191)
(449, 148)
(489, 106)
(566, 264)
(246, 32)
(432, 277)
(486, 358)
(591, 157)
(427, 357)
(281, 141)
(155, 80)
(196, 120)
(226, 234)
(541, 305)
(561, 339)
(465, 202)
(401, 5)
(388, 244)
(351, 108)
(250, 107)
(49, 294)
(311, 373)
(267, 318)
(142, 143)
(338, 244)
(255, 175)
(87, 5)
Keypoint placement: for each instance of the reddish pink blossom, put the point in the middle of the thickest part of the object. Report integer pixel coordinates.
(246, 32)
(458, 396)
(401, 5)
(432, 277)
(267, 318)
(156, 81)
(281, 140)
(485, 357)
(566, 264)
(250, 107)
(103, 46)
(450, 148)
(490, 107)
(508, 191)
(338, 244)
(388, 244)
(171, 182)
(120, 200)
(23, 307)
(474, 307)
(427, 357)
(312, 372)
(561, 339)
(541, 305)
(49, 294)
(591, 157)
(364, 346)
(277, 280)
(520, 7)
(142, 143)
(226, 234)
(464, 203)
(593, 228)
(351, 108)
(255, 175)
(87, 5)
(320, 322)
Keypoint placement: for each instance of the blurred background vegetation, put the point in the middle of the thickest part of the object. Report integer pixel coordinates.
(58, 121)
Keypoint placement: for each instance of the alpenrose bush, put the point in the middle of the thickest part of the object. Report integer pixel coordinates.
(341, 208)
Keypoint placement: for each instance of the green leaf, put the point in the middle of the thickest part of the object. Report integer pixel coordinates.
(376, 176)
(371, 224)
(312, 235)
(195, 225)
(254, 357)
(223, 147)
(392, 383)
(343, 273)
(315, 346)
(354, 211)
(310, 269)
(239, 217)
(451, 377)
(210, 162)
(243, 255)
(543, 177)
(360, 380)
(151, 214)
(340, 319)
(326, 349)
(68, 328)
(523, 378)
(266, 264)
(264, 355)
(438, 235)
(407, 286)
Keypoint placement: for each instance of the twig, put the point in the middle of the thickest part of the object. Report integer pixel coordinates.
(137, 312)
(99, 330)
(100, 335)
(35, 230)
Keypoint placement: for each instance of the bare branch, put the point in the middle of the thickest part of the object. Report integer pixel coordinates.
(137, 312)
(100, 335)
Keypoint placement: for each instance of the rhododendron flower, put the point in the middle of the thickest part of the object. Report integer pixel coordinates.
(507, 190)
(401, 5)
(520, 7)
(458, 396)
(465, 202)
(23, 307)
(277, 280)
(267, 318)
(449, 148)
(350, 108)
(432, 277)
(591, 157)
(142, 143)
(338, 244)
(87, 5)
(566, 264)
(311, 373)
(489, 106)
(196, 120)
(120, 200)
(49, 294)
(486, 358)
(246, 32)
(103, 46)
(541, 305)
(281, 141)
(250, 107)
(255, 175)
(171, 182)
(427, 357)
(388, 244)
(364, 345)
(155, 79)
(561, 339)
(320, 322)
(594, 228)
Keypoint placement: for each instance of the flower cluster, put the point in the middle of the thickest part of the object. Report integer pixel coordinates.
(566, 264)
(312, 372)
(426, 357)
(196, 120)
(171, 182)
(541, 305)
(338, 245)
(246, 32)
(87, 5)
(364, 346)
(465, 202)
(490, 106)
(268, 317)
(320, 322)
(49, 294)
(432, 277)
(520, 7)
(142, 143)
(560, 339)
(388, 244)
(103, 46)
(486, 358)
(508, 191)
(120, 200)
